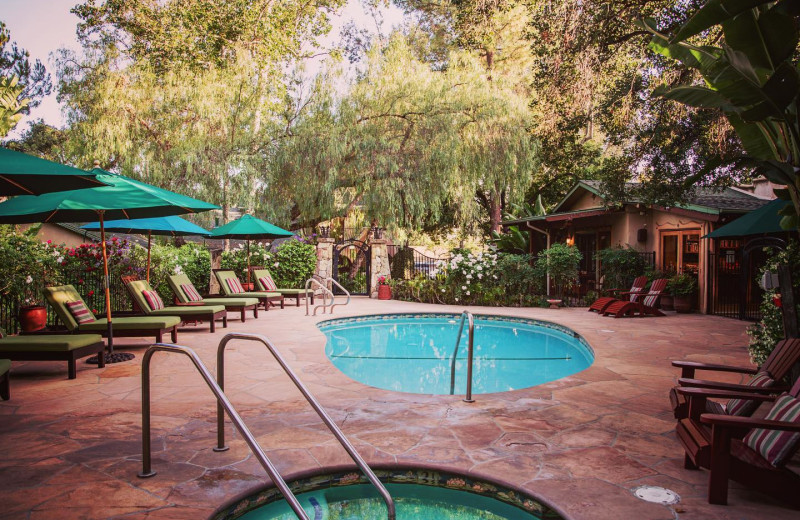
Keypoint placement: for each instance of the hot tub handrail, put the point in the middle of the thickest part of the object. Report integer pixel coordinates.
(325, 293)
(470, 342)
(222, 403)
(387, 498)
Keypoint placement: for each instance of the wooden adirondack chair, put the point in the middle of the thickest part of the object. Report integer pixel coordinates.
(645, 304)
(718, 442)
(780, 361)
(601, 304)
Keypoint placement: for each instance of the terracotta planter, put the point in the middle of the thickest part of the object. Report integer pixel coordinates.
(384, 292)
(683, 304)
(32, 318)
(667, 302)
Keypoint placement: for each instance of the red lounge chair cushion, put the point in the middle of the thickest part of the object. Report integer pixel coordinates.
(191, 292)
(774, 445)
(234, 285)
(153, 300)
(267, 283)
(746, 407)
(80, 312)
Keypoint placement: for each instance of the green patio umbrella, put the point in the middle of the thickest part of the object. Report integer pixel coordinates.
(762, 220)
(172, 225)
(23, 174)
(248, 227)
(121, 198)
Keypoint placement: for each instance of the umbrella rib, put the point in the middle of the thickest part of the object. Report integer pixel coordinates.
(18, 185)
(51, 215)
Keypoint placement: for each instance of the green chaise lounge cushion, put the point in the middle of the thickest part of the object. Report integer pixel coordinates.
(43, 343)
(137, 286)
(58, 297)
(263, 273)
(222, 276)
(176, 280)
(5, 366)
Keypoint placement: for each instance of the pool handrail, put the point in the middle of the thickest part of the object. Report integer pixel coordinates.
(325, 293)
(470, 344)
(337, 284)
(340, 436)
(222, 403)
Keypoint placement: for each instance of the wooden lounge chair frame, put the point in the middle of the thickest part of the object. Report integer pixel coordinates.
(181, 299)
(132, 284)
(118, 332)
(5, 384)
(70, 356)
(640, 306)
(286, 293)
(778, 364)
(601, 304)
(266, 301)
(713, 441)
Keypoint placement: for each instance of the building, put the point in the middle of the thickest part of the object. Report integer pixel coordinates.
(670, 237)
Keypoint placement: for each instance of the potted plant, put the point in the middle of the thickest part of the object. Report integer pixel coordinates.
(24, 261)
(682, 287)
(384, 290)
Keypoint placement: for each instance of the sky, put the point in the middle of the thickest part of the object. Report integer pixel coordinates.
(42, 26)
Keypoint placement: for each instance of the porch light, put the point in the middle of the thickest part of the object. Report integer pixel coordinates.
(570, 241)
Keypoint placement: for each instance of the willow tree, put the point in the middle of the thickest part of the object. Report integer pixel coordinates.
(406, 142)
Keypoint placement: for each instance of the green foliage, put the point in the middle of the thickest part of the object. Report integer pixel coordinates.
(25, 266)
(561, 262)
(236, 259)
(294, 263)
(620, 266)
(751, 78)
(683, 284)
(767, 332)
(402, 266)
(32, 77)
(194, 260)
(12, 105)
(513, 241)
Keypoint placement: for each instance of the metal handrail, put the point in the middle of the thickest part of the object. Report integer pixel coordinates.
(325, 293)
(470, 343)
(387, 498)
(337, 284)
(222, 403)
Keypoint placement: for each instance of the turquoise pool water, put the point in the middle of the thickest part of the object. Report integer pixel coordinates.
(412, 502)
(412, 353)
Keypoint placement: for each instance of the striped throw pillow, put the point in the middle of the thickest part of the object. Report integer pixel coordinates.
(80, 312)
(234, 285)
(153, 300)
(649, 301)
(191, 292)
(775, 445)
(267, 283)
(635, 293)
(746, 407)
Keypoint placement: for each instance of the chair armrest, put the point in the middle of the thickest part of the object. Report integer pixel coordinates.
(731, 387)
(721, 394)
(188, 304)
(727, 421)
(688, 368)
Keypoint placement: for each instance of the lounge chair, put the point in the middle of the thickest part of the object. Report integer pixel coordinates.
(124, 326)
(186, 294)
(141, 291)
(55, 347)
(644, 304)
(264, 282)
(758, 459)
(778, 364)
(5, 387)
(601, 304)
(231, 287)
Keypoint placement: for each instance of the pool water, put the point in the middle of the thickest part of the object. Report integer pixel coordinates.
(412, 502)
(413, 353)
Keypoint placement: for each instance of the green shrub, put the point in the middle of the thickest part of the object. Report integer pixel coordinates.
(621, 266)
(402, 265)
(292, 264)
(25, 266)
(194, 260)
(682, 285)
(236, 259)
(767, 332)
(561, 262)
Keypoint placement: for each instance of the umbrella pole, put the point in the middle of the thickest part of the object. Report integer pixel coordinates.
(248, 260)
(149, 233)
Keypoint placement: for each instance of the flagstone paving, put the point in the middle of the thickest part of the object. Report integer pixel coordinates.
(72, 448)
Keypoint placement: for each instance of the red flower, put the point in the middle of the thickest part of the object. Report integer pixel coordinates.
(777, 301)
(94, 311)
(80, 281)
(91, 293)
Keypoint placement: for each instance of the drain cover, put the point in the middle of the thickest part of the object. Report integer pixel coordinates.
(657, 495)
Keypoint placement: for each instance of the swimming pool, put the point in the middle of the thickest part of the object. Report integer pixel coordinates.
(419, 494)
(412, 352)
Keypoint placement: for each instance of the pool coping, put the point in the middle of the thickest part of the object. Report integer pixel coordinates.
(346, 474)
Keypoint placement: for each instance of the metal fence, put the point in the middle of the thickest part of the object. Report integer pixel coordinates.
(88, 284)
(407, 262)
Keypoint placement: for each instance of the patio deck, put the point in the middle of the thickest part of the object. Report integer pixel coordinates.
(71, 448)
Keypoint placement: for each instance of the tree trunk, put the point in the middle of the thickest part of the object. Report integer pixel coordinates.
(495, 212)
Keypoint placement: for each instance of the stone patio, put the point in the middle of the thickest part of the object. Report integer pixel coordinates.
(72, 448)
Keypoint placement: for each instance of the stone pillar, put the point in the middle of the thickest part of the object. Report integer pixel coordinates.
(216, 263)
(325, 258)
(379, 264)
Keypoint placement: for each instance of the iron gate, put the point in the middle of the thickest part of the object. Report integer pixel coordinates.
(351, 266)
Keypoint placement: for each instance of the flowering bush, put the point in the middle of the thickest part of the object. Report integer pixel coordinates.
(191, 259)
(25, 266)
(291, 264)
